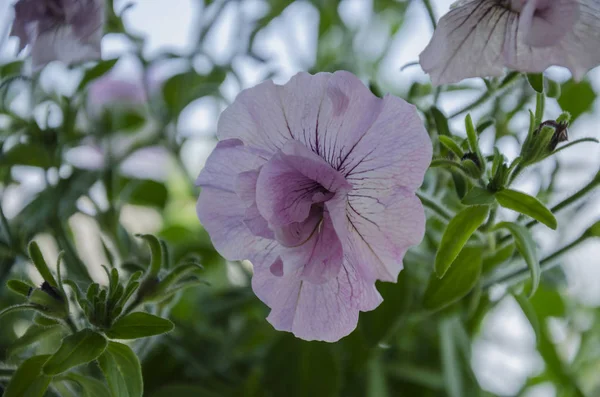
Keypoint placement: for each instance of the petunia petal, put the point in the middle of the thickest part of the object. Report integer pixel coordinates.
(468, 42)
(62, 44)
(320, 258)
(544, 23)
(291, 182)
(326, 312)
(380, 229)
(220, 209)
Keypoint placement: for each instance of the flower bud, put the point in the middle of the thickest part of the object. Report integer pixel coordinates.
(545, 139)
(472, 164)
(50, 301)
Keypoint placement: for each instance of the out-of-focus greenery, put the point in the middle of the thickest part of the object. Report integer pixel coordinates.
(417, 343)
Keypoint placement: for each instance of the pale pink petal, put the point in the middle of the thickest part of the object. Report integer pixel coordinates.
(220, 209)
(479, 38)
(326, 312)
(380, 229)
(468, 42)
(545, 22)
(320, 258)
(292, 181)
(579, 50)
(256, 118)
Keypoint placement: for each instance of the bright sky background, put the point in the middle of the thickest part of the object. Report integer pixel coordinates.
(505, 354)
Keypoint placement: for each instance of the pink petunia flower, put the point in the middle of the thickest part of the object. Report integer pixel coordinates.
(66, 30)
(314, 183)
(478, 38)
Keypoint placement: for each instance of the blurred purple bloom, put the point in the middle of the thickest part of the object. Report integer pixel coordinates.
(111, 91)
(314, 182)
(66, 30)
(478, 38)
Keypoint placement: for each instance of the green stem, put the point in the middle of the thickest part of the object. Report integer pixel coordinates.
(431, 14)
(547, 263)
(487, 95)
(434, 206)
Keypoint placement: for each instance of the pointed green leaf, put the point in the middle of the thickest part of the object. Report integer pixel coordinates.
(441, 122)
(594, 230)
(76, 349)
(28, 380)
(155, 252)
(527, 205)
(471, 134)
(40, 264)
(99, 70)
(459, 230)
(536, 81)
(139, 325)
(527, 249)
(19, 287)
(458, 281)
(478, 196)
(122, 370)
(451, 145)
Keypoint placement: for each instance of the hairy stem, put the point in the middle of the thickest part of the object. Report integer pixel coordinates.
(434, 206)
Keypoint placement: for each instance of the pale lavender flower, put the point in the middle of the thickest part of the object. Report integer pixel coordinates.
(66, 30)
(314, 182)
(479, 38)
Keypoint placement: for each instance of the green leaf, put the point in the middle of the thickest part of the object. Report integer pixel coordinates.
(19, 287)
(478, 196)
(40, 264)
(459, 230)
(441, 122)
(594, 230)
(458, 281)
(314, 371)
(28, 380)
(184, 391)
(139, 325)
(527, 249)
(76, 349)
(30, 154)
(527, 205)
(90, 387)
(553, 89)
(471, 134)
(122, 370)
(155, 253)
(147, 193)
(548, 302)
(97, 71)
(379, 324)
(449, 143)
(577, 98)
(11, 69)
(33, 335)
(536, 81)
(186, 87)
